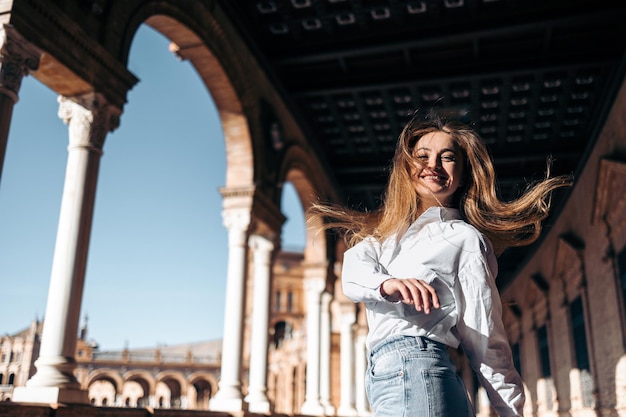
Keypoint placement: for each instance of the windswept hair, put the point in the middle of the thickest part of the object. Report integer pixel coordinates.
(505, 223)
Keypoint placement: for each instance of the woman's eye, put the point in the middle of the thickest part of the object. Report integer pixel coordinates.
(448, 158)
(422, 157)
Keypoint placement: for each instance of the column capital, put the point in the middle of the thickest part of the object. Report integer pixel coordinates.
(236, 220)
(314, 285)
(90, 117)
(260, 243)
(17, 58)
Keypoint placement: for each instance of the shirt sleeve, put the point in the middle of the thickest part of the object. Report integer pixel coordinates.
(483, 338)
(362, 274)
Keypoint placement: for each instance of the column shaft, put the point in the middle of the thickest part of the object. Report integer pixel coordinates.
(348, 318)
(313, 287)
(257, 392)
(229, 396)
(89, 118)
(360, 368)
(325, 346)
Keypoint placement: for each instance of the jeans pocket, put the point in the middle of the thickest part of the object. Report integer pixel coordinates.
(446, 393)
(385, 386)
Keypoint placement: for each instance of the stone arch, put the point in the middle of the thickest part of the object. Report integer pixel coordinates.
(144, 377)
(176, 385)
(173, 375)
(108, 374)
(238, 141)
(202, 387)
(299, 169)
(199, 36)
(205, 376)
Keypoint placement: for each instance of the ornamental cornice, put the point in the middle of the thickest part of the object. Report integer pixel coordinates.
(17, 59)
(46, 26)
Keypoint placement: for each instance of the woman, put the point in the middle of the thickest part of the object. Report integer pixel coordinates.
(425, 264)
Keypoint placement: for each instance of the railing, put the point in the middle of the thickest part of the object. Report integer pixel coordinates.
(155, 356)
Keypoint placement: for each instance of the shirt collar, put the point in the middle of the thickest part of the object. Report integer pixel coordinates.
(431, 215)
(438, 213)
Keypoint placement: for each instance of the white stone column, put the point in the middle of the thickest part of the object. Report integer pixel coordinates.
(257, 391)
(325, 346)
(360, 368)
(347, 320)
(90, 118)
(17, 59)
(229, 396)
(314, 284)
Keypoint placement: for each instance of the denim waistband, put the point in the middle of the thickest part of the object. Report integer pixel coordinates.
(397, 342)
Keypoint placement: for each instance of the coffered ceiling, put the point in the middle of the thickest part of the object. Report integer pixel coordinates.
(534, 77)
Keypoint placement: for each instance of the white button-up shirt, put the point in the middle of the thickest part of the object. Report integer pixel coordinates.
(458, 261)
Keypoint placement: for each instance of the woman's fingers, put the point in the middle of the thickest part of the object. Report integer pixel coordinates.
(423, 295)
(412, 291)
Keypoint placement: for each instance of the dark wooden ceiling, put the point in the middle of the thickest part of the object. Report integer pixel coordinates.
(534, 77)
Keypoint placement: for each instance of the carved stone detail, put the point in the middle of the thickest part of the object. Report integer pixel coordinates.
(17, 59)
(90, 117)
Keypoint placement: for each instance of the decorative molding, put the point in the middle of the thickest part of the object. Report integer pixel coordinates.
(17, 59)
(569, 267)
(610, 186)
(89, 117)
(60, 36)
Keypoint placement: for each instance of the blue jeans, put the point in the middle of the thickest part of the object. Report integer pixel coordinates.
(414, 377)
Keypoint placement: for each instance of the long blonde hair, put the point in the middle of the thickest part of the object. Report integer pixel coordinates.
(505, 223)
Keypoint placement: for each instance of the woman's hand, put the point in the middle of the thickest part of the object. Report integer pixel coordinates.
(410, 291)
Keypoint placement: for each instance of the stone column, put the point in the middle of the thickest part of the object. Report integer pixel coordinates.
(229, 396)
(325, 346)
(347, 320)
(257, 392)
(90, 117)
(17, 58)
(314, 284)
(360, 368)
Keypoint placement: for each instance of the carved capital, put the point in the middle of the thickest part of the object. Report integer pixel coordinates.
(237, 221)
(314, 286)
(17, 58)
(261, 244)
(89, 117)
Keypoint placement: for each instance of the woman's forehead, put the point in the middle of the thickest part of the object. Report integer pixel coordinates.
(436, 140)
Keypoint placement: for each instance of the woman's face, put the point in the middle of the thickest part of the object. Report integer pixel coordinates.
(438, 169)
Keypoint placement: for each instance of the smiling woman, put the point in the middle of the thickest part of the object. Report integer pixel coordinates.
(425, 267)
(438, 169)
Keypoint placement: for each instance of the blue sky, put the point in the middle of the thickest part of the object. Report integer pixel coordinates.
(157, 259)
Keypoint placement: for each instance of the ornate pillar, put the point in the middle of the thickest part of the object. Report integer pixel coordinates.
(90, 117)
(325, 346)
(257, 400)
(347, 320)
(229, 396)
(17, 58)
(314, 284)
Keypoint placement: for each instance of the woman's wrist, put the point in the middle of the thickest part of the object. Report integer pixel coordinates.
(383, 294)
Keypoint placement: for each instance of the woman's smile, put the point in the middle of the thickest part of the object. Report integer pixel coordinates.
(438, 169)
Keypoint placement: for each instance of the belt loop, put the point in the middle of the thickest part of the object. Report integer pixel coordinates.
(420, 342)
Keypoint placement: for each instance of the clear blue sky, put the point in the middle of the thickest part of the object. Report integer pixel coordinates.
(157, 260)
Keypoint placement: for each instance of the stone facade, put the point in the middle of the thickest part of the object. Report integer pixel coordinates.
(182, 376)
